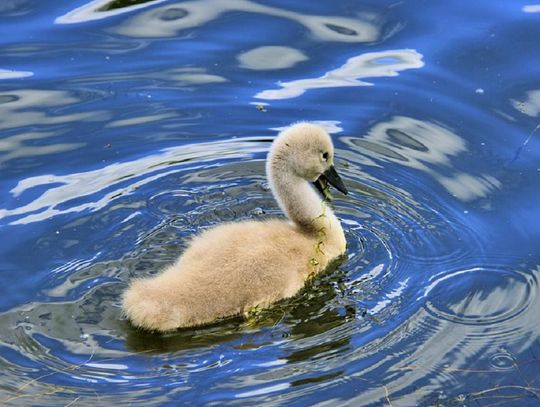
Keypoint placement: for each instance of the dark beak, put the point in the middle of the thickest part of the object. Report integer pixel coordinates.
(330, 176)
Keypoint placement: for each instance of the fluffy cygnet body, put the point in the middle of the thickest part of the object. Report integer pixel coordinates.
(234, 267)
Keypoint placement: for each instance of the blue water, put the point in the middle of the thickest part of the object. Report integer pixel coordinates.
(126, 127)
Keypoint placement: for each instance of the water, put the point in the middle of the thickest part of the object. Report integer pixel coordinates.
(127, 126)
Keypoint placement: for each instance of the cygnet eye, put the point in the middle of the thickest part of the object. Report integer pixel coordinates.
(325, 156)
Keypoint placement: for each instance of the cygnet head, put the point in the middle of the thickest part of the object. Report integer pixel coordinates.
(306, 151)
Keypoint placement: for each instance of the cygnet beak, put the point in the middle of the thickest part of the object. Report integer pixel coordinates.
(330, 176)
(335, 180)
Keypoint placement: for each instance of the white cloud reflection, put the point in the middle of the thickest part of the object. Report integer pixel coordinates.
(179, 78)
(134, 121)
(9, 74)
(27, 107)
(532, 8)
(467, 187)
(167, 21)
(530, 105)
(193, 76)
(368, 65)
(427, 147)
(271, 57)
(23, 145)
(101, 186)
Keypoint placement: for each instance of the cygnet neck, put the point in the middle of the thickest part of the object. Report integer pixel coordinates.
(298, 199)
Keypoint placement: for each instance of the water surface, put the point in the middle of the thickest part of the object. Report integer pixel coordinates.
(128, 126)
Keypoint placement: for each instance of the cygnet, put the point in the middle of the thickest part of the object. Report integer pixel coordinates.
(237, 267)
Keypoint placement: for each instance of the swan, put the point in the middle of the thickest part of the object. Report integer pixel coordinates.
(237, 267)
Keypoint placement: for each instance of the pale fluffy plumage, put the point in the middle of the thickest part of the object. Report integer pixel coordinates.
(234, 267)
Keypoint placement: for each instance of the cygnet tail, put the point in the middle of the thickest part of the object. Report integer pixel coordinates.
(146, 308)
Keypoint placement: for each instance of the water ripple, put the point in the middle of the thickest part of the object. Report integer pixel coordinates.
(111, 182)
(112, 163)
(389, 307)
(510, 294)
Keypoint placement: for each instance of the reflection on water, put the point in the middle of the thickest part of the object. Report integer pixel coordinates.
(271, 57)
(533, 8)
(102, 186)
(32, 118)
(455, 339)
(9, 74)
(467, 187)
(141, 119)
(99, 9)
(368, 65)
(509, 295)
(427, 147)
(411, 142)
(27, 107)
(20, 146)
(137, 129)
(167, 21)
(530, 105)
(195, 76)
(174, 78)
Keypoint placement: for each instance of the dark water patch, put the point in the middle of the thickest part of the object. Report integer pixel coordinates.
(174, 14)
(341, 30)
(121, 4)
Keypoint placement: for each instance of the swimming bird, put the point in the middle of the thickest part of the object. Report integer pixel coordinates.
(237, 267)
